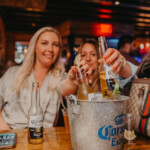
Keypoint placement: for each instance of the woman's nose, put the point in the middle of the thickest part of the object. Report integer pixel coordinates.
(88, 57)
(50, 47)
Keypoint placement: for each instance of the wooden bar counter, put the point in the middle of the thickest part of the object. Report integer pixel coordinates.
(56, 138)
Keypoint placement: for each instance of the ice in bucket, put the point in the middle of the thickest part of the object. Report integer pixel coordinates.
(97, 125)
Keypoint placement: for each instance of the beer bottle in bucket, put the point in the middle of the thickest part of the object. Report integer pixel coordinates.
(35, 126)
(107, 76)
(85, 92)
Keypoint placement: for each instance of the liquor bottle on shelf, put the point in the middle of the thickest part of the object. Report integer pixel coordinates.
(35, 117)
(107, 76)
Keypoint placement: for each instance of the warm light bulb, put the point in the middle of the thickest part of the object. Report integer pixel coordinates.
(141, 46)
(117, 2)
(147, 44)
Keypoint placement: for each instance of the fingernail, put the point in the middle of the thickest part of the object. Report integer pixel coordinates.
(117, 72)
(93, 71)
(82, 70)
(108, 61)
(105, 57)
(114, 67)
(80, 66)
(90, 84)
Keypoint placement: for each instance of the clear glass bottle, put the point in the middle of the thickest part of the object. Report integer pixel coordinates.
(85, 92)
(35, 117)
(107, 76)
(129, 133)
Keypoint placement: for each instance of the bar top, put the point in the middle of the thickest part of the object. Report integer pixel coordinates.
(57, 138)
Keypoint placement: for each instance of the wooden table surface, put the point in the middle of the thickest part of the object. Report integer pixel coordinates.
(53, 139)
(141, 143)
(57, 139)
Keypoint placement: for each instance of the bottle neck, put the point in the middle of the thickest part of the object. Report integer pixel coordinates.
(102, 46)
(35, 99)
(34, 95)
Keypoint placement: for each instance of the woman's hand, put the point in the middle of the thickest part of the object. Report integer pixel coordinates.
(70, 85)
(114, 58)
(117, 61)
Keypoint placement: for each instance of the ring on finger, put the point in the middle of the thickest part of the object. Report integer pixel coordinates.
(122, 60)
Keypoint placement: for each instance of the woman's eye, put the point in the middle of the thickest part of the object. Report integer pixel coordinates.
(93, 54)
(56, 44)
(44, 43)
(82, 55)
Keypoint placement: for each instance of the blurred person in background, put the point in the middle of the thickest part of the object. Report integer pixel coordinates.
(127, 47)
(144, 67)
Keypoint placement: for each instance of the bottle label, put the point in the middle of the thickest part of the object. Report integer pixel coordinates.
(36, 133)
(36, 127)
(91, 97)
(110, 78)
(36, 121)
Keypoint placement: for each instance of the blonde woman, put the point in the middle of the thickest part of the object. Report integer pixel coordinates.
(41, 64)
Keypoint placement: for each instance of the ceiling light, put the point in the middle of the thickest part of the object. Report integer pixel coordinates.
(117, 2)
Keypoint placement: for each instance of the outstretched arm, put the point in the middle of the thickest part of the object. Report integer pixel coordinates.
(70, 85)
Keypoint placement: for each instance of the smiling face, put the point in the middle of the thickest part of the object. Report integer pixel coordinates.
(88, 53)
(47, 49)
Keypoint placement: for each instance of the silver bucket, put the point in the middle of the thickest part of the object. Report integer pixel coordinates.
(97, 125)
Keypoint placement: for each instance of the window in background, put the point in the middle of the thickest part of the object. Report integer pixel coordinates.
(20, 51)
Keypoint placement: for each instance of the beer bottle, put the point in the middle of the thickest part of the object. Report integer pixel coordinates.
(107, 76)
(35, 126)
(85, 92)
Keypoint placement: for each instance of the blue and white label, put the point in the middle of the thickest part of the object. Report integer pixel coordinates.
(112, 133)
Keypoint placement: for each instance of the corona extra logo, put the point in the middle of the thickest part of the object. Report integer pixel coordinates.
(112, 133)
(119, 119)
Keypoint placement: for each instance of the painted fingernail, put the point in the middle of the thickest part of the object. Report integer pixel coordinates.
(90, 84)
(105, 57)
(108, 61)
(80, 66)
(93, 71)
(114, 67)
(116, 72)
(82, 70)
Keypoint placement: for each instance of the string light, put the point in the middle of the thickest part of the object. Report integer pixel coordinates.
(117, 2)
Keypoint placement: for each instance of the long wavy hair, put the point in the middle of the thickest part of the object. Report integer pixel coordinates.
(96, 81)
(27, 66)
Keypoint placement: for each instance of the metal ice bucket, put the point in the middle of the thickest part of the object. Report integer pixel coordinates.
(97, 125)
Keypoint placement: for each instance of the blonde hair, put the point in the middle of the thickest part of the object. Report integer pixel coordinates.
(96, 81)
(26, 68)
